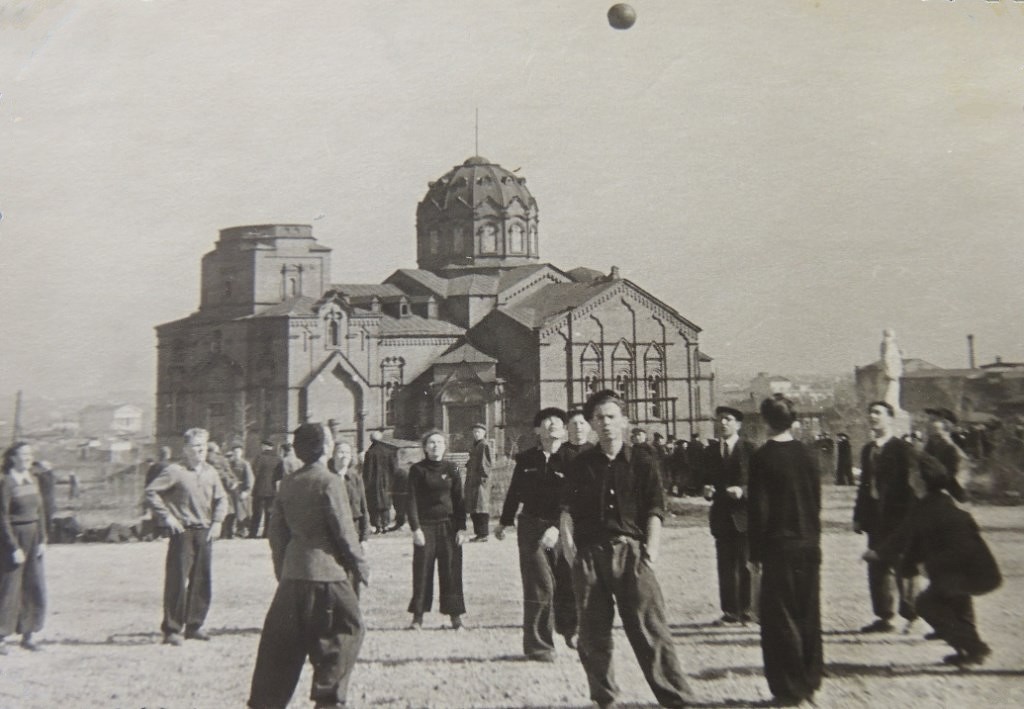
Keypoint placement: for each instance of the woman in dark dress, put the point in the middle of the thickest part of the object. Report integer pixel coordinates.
(22, 541)
(785, 541)
(437, 517)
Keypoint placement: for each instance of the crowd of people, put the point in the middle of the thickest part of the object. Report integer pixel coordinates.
(588, 508)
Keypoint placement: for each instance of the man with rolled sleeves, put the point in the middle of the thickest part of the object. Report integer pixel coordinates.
(612, 510)
(548, 603)
(319, 565)
(478, 484)
(728, 473)
(190, 502)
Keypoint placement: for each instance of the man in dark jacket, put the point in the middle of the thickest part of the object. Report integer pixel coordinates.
(959, 564)
(727, 470)
(478, 483)
(844, 460)
(884, 499)
(317, 558)
(266, 470)
(940, 445)
(379, 467)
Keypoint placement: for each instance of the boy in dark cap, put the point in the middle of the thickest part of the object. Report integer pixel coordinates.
(959, 564)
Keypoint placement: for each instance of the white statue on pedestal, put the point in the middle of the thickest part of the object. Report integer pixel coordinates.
(892, 368)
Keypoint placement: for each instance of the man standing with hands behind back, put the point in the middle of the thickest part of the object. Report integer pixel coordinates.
(191, 503)
(613, 505)
(728, 470)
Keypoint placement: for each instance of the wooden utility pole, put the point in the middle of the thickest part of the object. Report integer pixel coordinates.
(16, 431)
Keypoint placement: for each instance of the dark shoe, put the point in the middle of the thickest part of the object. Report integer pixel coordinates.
(417, 622)
(480, 538)
(932, 636)
(976, 656)
(173, 639)
(879, 626)
(197, 634)
(541, 657)
(571, 641)
(727, 619)
(457, 623)
(29, 644)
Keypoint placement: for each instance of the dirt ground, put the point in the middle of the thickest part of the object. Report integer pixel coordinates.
(101, 647)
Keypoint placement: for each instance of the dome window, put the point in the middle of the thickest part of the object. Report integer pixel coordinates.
(516, 242)
(488, 234)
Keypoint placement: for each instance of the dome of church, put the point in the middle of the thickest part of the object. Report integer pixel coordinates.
(477, 215)
(474, 183)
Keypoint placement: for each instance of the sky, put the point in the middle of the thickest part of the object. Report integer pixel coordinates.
(793, 176)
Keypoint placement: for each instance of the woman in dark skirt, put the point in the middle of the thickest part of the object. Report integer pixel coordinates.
(22, 540)
(437, 517)
(785, 540)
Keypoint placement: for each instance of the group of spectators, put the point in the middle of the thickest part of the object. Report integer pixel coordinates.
(588, 519)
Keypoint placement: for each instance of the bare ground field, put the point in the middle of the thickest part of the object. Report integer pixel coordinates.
(101, 647)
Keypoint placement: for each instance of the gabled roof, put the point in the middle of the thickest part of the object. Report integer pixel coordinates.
(582, 274)
(473, 284)
(509, 278)
(300, 305)
(430, 282)
(535, 309)
(416, 326)
(367, 290)
(465, 353)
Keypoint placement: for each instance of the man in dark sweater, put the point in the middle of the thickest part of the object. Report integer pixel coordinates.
(785, 547)
(612, 510)
(548, 603)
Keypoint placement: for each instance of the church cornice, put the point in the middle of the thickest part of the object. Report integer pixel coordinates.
(623, 289)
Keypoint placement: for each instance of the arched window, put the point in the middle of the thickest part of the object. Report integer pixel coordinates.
(293, 287)
(590, 370)
(516, 241)
(622, 371)
(488, 235)
(334, 333)
(654, 374)
(391, 374)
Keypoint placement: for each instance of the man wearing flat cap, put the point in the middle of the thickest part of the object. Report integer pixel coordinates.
(940, 445)
(727, 473)
(478, 484)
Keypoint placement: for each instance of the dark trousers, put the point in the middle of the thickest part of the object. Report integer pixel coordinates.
(791, 622)
(261, 507)
(317, 619)
(481, 523)
(440, 548)
(400, 497)
(23, 587)
(227, 529)
(548, 602)
(187, 581)
(734, 583)
(379, 517)
(886, 587)
(602, 575)
(952, 616)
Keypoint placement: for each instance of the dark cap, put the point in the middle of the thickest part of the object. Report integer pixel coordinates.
(639, 429)
(729, 411)
(549, 412)
(944, 414)
(267, 442)
(309, 442)
(479, 425)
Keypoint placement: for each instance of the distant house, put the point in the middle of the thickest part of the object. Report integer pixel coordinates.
(764, 385)
(107, 419)
(996, 388)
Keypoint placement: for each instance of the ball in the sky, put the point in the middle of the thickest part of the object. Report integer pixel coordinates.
(621, 16)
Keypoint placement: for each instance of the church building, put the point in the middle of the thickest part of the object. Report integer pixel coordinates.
(482, 330)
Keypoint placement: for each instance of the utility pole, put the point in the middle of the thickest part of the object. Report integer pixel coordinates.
(16, 434)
